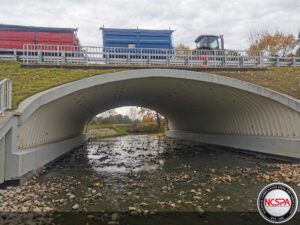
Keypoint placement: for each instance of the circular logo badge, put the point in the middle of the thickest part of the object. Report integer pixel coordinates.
(277, 203)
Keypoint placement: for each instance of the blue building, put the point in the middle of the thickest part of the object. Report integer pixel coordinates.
(137, 38)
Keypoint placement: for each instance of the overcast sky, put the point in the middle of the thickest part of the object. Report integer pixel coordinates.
(189, 18)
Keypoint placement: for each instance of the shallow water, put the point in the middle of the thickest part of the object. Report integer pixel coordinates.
(160, 175)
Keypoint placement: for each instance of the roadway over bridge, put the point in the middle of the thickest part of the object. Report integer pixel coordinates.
(202, 107)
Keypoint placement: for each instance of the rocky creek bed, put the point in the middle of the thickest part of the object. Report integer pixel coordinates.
(147, 179)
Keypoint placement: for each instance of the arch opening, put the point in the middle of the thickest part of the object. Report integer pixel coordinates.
(126, 120)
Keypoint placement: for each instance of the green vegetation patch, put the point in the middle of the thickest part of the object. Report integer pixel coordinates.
(282, 79)
(27, 82)
(120, 130)
(124, 129)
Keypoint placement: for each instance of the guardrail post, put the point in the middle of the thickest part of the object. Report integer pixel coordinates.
(27, 55)
(63, 57)
(168, 58)
(57, 55)
(242, 61)
(130, 58)
(225, 60)
(277, 61)
(9, 94)
(215, 58)
(15, 54)
(2, 108)
(86, 58)
(261, 59)
(294, 62)
(23, 54)
(106, 55)
(40, 57)
(115, 61)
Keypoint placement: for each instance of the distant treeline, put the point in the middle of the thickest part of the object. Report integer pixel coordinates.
(114, 119)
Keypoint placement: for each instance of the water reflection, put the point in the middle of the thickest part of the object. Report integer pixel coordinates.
(126, 154)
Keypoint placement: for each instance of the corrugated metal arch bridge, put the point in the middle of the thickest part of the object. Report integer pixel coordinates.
(202, 107)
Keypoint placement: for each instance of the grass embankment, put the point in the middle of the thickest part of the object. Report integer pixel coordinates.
(27, 82)
(282, 79)
(94, 130)
(119, 129)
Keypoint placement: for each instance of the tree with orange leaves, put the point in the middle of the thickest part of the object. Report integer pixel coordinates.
(277, 44)
(149, 116)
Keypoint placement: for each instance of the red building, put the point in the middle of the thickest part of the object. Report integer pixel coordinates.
(14, 36)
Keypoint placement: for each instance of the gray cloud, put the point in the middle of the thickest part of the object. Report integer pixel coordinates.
(233, 18)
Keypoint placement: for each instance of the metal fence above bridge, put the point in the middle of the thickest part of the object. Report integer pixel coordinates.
(63, 54)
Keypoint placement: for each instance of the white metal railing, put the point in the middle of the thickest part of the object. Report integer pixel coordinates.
(5, 95)
(65, 54)
(9, 54)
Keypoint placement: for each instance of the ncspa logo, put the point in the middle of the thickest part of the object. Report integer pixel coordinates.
(277, 203)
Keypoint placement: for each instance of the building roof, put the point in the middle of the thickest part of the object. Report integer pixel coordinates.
(36, 29)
